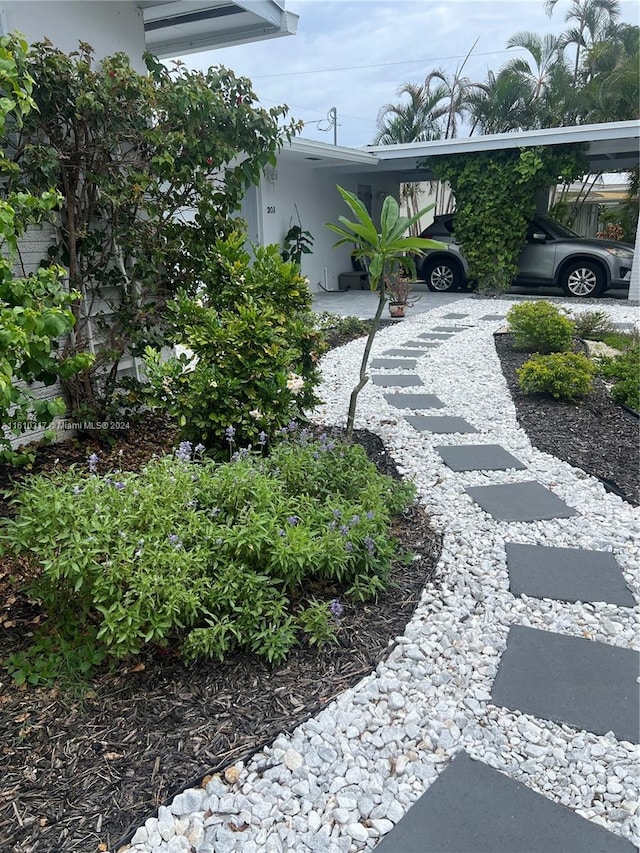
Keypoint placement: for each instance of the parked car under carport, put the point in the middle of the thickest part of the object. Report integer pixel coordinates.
(553, 256)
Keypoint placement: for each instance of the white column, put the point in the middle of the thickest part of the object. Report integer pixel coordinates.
(634, 287)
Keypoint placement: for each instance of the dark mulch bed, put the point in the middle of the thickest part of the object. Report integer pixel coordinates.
(81, 771)
(595, 434)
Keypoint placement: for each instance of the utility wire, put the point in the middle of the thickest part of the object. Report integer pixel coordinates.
(377, 65)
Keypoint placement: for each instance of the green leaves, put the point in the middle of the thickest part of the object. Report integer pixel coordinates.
(386, 252)
(203, 556)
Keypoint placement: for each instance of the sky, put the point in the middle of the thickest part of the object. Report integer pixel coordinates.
(353, 55)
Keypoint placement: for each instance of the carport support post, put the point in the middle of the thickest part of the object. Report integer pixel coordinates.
(634, 286)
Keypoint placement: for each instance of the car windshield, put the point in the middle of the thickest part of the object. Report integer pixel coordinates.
(557, 230)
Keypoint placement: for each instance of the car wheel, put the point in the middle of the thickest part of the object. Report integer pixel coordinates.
(442, 275)
(583, 279)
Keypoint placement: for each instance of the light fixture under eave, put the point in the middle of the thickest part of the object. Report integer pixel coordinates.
(271, 174)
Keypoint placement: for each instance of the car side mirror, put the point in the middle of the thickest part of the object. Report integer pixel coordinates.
(539, 236)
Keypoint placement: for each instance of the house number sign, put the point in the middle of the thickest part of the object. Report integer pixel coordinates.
(271, 208)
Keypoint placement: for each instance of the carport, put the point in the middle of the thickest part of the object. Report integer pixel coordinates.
(375, 171)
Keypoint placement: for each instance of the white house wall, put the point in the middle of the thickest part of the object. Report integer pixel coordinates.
(108, 26)
(314, 193)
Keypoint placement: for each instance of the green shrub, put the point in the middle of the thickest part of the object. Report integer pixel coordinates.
(255, 349)
(203, 555)
(540, 327)
(564, 375)
(624, 370)
(592, 325)
(337, 325)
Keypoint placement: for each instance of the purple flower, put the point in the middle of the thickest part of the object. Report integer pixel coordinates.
(175, 540)
(354, 520)
(370, 514)
(262, 438)
(331, 445)
(92, 462)
(77, 490)
(198, 448)
(348, 546)
(230, 434)
(183, 453)
(336, 608)
(344, 530)
(292, 426)
(332, 525)
(337, 513)
(119, 485)
(293, 520)
(369, 544)
(281, 532)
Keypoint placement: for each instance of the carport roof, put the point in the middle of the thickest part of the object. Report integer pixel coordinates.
(611, 146)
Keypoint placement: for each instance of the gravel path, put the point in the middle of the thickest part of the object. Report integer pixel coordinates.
(343, 779)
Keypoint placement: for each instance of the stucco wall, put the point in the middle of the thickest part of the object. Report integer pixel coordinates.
(108, 26)
(314, 193)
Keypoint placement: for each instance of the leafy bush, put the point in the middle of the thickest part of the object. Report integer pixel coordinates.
(592, 325)
(254, 350)
(205, 555)
(564, 375)
(540, 327)
(337, 325)
(624, 370)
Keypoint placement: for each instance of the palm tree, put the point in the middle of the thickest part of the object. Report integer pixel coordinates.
(414, 121)
(546, 53)
(500, 104)
(592, 18)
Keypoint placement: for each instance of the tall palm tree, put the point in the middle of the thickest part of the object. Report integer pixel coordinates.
(500, 104)
(546, 53)
(415, 120)
(592, 18)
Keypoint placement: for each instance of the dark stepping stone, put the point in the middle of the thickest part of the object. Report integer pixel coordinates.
(439, 424)
(414, 401)
(528, 501)
(479, 457)
(454, 316)
(423, 344)
(447, 329)
(396, 380)
(472, 808)
(416, 353)
(391, 363)
(435, 336)
(493, 317)
(566, 574)
(570, 680)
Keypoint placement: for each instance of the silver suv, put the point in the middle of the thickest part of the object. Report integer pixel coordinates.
(553, 256)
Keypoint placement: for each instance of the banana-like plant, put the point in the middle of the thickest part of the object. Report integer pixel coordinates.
(385, 251)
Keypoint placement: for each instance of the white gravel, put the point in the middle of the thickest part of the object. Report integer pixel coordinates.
(381, 744)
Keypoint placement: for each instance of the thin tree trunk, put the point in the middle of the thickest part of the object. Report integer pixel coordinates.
(353, 399)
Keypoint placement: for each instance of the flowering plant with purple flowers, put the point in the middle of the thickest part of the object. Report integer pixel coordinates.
(210, 556)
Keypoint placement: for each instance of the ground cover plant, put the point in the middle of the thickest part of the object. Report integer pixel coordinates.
(105, 748)
(202, 556)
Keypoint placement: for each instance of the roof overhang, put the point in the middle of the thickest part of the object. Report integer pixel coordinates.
(321, 155)
(611, 146)
(179, 27)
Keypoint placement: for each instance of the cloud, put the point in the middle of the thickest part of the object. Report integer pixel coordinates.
(354, 54)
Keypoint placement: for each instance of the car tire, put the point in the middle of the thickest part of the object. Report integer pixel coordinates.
(583, 279)
(442, 275)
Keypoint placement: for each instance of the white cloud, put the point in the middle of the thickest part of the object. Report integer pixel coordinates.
(354, 54)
